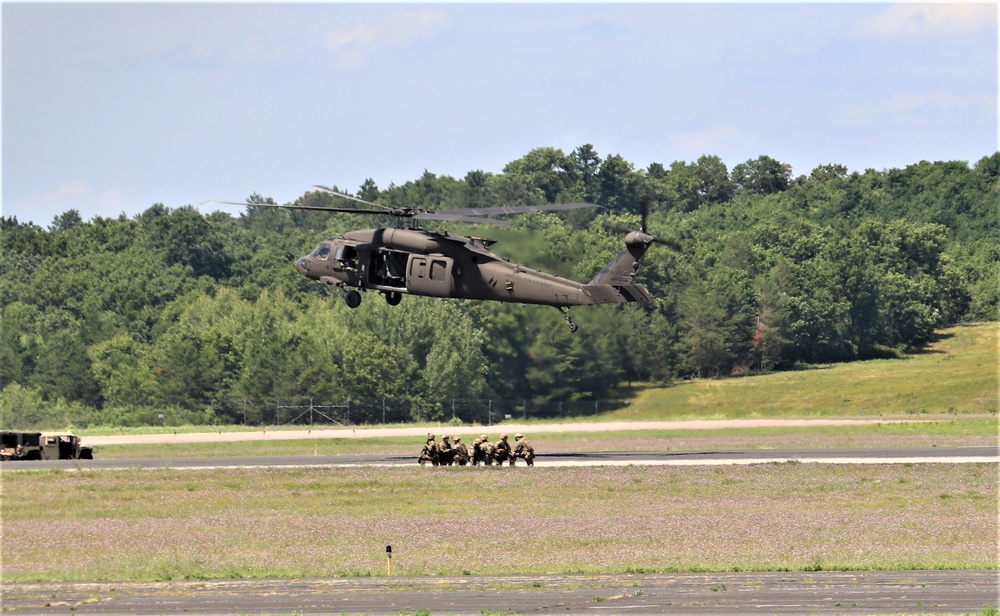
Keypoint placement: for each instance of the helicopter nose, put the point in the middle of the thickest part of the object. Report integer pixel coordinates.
(302, 266)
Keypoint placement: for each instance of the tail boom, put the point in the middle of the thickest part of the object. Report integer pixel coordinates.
(616, 294)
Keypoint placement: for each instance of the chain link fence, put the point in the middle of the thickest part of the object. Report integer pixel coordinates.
(366, 411)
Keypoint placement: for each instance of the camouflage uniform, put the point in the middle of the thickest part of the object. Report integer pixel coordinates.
(503, 452)
(446, 453)
(523, 449)
(475, 451)
(461, 451)
(482, 451)
(429, 452)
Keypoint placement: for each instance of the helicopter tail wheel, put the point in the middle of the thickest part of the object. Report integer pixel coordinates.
(353, 299)
(569, 320)
(393, 298)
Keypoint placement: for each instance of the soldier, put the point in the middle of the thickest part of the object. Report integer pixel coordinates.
(445, 452)
(461, 451)
(523, 449)
(503, 451)
(482, 451)
(475, 451)
(429, 452)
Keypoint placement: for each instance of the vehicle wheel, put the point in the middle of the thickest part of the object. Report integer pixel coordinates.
(392, 298)
(573, 327)
(353, 299)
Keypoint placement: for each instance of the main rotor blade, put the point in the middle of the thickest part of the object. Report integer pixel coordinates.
(517, 209)
(447, 215)
(346, 196)
(320, 208)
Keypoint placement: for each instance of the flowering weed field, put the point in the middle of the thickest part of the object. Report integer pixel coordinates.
(265, 522)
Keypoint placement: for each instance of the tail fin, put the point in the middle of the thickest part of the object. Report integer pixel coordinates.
(623, 267)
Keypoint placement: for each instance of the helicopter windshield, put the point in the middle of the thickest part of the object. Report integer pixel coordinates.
(321, 251)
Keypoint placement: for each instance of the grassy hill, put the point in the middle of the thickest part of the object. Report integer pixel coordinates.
(958, 373)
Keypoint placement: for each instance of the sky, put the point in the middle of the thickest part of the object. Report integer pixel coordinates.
(109, 108)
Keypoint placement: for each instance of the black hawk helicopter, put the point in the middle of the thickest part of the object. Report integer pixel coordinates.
(419, 261)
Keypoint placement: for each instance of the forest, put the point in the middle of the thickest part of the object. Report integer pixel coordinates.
(192, 315)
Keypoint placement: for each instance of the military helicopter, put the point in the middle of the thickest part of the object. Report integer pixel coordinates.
(420, 261)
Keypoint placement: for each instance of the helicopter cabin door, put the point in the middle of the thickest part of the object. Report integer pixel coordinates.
(429, 275)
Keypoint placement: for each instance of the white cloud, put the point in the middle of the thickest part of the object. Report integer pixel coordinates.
(352, 46)
(707, 139)
(905, 105)
(77, 195)
(904, 20)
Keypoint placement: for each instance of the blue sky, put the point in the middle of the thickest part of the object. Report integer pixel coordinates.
(110, 108)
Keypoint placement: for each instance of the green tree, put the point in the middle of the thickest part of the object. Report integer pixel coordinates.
(620, 185)
(763, 175)
(547, 169)
(121, 367)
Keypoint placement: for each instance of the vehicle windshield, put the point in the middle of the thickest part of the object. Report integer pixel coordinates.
(321, 251)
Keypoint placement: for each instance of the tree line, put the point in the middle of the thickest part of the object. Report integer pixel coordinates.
(758, 271)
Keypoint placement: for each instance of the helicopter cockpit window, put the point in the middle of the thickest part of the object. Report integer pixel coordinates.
(321, 252)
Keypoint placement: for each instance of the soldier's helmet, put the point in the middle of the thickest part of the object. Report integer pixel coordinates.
(456, 438)
(444, 438)
(484, 438)
(430, 436)
(503, 437)
(518, 435)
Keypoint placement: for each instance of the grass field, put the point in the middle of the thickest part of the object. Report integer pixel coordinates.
(958, 373)
(252, 523)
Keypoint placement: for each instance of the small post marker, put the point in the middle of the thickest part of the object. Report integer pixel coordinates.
(388, 560)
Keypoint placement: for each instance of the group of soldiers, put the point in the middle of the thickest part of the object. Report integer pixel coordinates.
(451, 450)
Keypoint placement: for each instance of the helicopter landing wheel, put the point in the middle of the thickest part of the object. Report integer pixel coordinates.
(569, 320)
(353, 299)
(393, 298)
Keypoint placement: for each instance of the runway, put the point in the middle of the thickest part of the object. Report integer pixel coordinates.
(833, 592)
(936, 455)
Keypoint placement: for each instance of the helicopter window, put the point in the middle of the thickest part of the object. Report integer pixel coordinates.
(345, 253)
(322, 251)
(438, 270)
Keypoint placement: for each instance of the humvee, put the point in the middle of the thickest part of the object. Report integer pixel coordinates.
(43, 446)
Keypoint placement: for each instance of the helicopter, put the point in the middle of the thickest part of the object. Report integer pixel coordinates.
(415, 260)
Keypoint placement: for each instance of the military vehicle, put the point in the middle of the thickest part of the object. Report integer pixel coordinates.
(419, 261)
(43, 446)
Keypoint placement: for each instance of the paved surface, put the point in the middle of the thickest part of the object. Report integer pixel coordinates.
(878, 592)
(954, 455)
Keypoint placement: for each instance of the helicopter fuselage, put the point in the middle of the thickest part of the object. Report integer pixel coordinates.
(439, 264)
